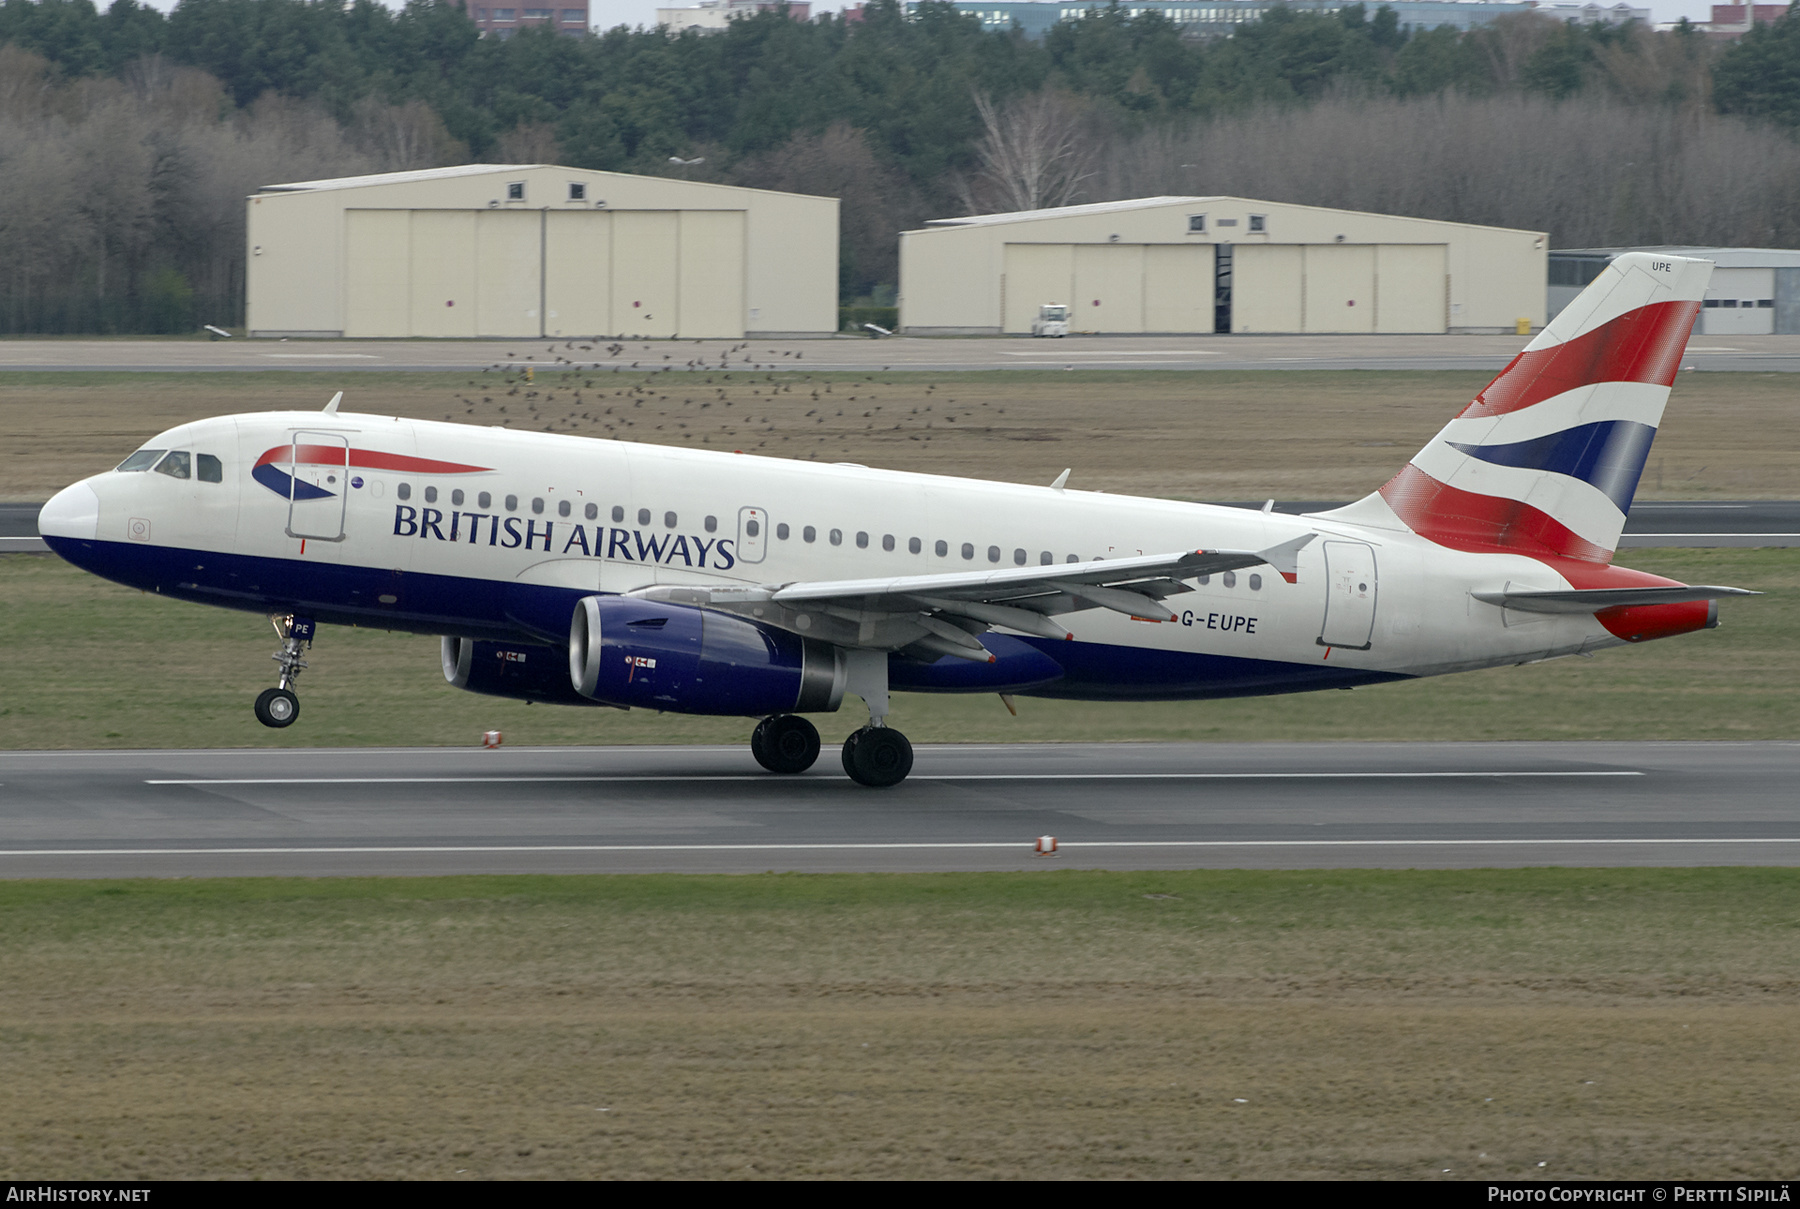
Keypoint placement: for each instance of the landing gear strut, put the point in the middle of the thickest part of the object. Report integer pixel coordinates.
(877, 755)
(785, 743)
(278, 707)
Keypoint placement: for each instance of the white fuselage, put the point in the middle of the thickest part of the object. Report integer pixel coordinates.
(410, 545)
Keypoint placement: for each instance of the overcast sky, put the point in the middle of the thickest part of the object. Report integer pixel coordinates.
(608, 13)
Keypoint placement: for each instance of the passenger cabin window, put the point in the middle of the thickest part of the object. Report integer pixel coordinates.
(456, 498)
(143, 459)
(712, 525)
(1046, 558)
(942, 548)
(968, 549)
(668, 520)
(913, 544)
(1256, 583)
(431, 495)
(809, 534)
(562, 507)
(1229, 579)
(512, 503)
(404, 491)
(993, 554)
(592, 512)
(618, 514)
(1019, 557)
(781, 530)
(837, 537)
(208, 469)
(887, 541)
(484, 500)
(174, 464)
(643, 516)
(537, 505)
(862, 541)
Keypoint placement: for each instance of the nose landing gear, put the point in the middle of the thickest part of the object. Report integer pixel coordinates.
(278, 707)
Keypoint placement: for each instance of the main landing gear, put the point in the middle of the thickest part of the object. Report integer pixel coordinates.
(785, 743)
(876, 756)
(278, 707)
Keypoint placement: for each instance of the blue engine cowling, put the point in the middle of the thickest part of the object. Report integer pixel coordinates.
(511, 669)
(656, 655)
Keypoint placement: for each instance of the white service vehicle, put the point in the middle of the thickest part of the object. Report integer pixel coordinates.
(1052, 320)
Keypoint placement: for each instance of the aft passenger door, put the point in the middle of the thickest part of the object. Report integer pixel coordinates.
(1350, 587)
(318, 484)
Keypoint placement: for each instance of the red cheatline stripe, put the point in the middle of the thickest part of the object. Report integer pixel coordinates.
(1644, 345)
(333, 455)
(1481, 524)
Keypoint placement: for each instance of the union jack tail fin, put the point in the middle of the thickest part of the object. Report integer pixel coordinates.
(1546, 459)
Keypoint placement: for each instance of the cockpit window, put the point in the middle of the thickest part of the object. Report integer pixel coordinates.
(208, 468)
(143, 459)
(175, 465)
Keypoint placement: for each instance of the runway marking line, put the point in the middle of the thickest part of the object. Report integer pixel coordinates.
(973, 776)
(1021, 845)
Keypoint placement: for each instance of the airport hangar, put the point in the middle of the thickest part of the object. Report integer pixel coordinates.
(1179, 265)
(496, 250)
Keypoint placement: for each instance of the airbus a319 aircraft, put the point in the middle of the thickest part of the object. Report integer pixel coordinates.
(587, 572)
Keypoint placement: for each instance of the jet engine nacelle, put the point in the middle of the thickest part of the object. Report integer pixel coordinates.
(656, 655)
(510, 669)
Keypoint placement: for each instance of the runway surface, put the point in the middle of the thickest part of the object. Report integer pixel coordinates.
(1779, 354)
(709, 809)
(1651, 523)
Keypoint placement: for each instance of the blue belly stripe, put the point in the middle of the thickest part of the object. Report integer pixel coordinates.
(513, 612)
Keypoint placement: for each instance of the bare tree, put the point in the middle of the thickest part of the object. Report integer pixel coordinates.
(528, 143)
(1034, 153)
(401, 138)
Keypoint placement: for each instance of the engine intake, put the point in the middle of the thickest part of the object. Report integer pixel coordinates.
(658, 655)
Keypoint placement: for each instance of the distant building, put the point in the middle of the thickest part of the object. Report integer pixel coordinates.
(713, 15)
(1179, 265)
(1035, 17)
(496, 22)
(1754, 291)
(1732, 21)
(538, 251)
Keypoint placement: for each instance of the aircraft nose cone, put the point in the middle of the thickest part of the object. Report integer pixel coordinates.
(73, 512)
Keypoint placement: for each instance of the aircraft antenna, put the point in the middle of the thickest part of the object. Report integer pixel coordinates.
(331, 407)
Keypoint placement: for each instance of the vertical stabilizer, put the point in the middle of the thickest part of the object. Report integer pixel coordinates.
(1546, 459)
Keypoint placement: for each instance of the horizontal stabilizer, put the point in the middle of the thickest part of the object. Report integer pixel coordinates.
(1592, 600)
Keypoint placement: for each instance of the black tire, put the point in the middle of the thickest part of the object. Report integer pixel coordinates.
(877, 756)
(790, 744)
(277, 707)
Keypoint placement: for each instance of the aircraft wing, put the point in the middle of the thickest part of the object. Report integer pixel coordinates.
(944, 614)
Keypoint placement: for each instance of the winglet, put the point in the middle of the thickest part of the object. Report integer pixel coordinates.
(1060, 480)
(1285, 558)
(331, 407)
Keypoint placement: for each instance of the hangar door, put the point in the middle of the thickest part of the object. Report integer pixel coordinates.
(527, 273)
(1353, 288)
(1113, 288)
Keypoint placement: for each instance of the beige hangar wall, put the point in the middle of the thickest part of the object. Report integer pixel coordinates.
(1144, 266)
(446, 254)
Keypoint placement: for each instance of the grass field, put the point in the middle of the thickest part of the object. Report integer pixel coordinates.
(1520, 1024)
(85, 663)
(1211, 435)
